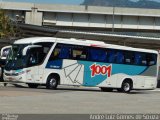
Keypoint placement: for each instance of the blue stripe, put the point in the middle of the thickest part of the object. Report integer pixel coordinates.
(116, 68)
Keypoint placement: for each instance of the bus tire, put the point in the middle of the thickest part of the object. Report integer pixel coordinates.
(126, 86)
(106, 89)
(52, 82)
(31, 85)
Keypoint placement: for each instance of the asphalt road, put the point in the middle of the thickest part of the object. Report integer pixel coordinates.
(75, 100)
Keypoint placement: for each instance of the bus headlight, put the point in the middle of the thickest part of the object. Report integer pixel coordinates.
(18, 73)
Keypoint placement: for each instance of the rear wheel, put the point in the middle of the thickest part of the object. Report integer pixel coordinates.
(126, 86)
(52, 82)
(31, 85)
(106, 89)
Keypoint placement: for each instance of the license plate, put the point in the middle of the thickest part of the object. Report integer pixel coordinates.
(10, 78)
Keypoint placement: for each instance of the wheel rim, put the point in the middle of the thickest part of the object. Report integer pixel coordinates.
(126, 87)
(52, 83)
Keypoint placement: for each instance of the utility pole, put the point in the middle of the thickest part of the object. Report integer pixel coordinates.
(113, 16)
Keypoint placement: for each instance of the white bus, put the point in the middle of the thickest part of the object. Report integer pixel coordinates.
(56, 61)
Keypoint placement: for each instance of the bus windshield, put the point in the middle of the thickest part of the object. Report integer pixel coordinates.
(34, 55)
(15, 59)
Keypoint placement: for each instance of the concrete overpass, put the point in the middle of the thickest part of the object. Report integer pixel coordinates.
(85, 17)
(125, 40)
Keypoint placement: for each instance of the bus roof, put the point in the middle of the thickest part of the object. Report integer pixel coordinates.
(92, 43)
(33, 40)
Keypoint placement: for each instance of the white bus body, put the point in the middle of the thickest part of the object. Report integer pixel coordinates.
(55, 61)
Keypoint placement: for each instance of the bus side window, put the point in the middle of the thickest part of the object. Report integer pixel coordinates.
(128, 57)
(79, 54)
(56, 52)
(111, 56)
(151, 59)
(60, 52)
(35, 56)
(98, 55)
(64, 53)
(144, 60)
(120, 57)
(138, 58)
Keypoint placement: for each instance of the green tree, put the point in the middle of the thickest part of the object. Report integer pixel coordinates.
(7, 30)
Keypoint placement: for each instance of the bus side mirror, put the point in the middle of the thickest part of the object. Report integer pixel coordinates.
(4, 52)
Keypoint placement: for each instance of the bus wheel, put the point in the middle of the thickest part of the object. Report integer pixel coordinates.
(31, 85)
(106, 89)
(126, 86)
(52, 83)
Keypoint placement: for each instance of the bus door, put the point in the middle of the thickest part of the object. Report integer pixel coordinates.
(34, 57)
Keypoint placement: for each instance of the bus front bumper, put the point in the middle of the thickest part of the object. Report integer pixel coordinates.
(19, 78)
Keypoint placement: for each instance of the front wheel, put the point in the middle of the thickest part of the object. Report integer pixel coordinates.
(52, 83)
(31, 85)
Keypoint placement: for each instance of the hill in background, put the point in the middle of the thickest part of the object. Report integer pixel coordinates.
(124, 3)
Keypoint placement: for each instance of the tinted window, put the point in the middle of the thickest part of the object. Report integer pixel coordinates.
(138, 59)
(145, 59)
(120, 57)
(151, 59)
(61, 51)
(97, 55)
(79, 53)
(35, 56)
(111, 56)
(128, 57)
(66, 51)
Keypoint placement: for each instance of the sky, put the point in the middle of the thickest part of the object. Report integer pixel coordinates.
(58, 1)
